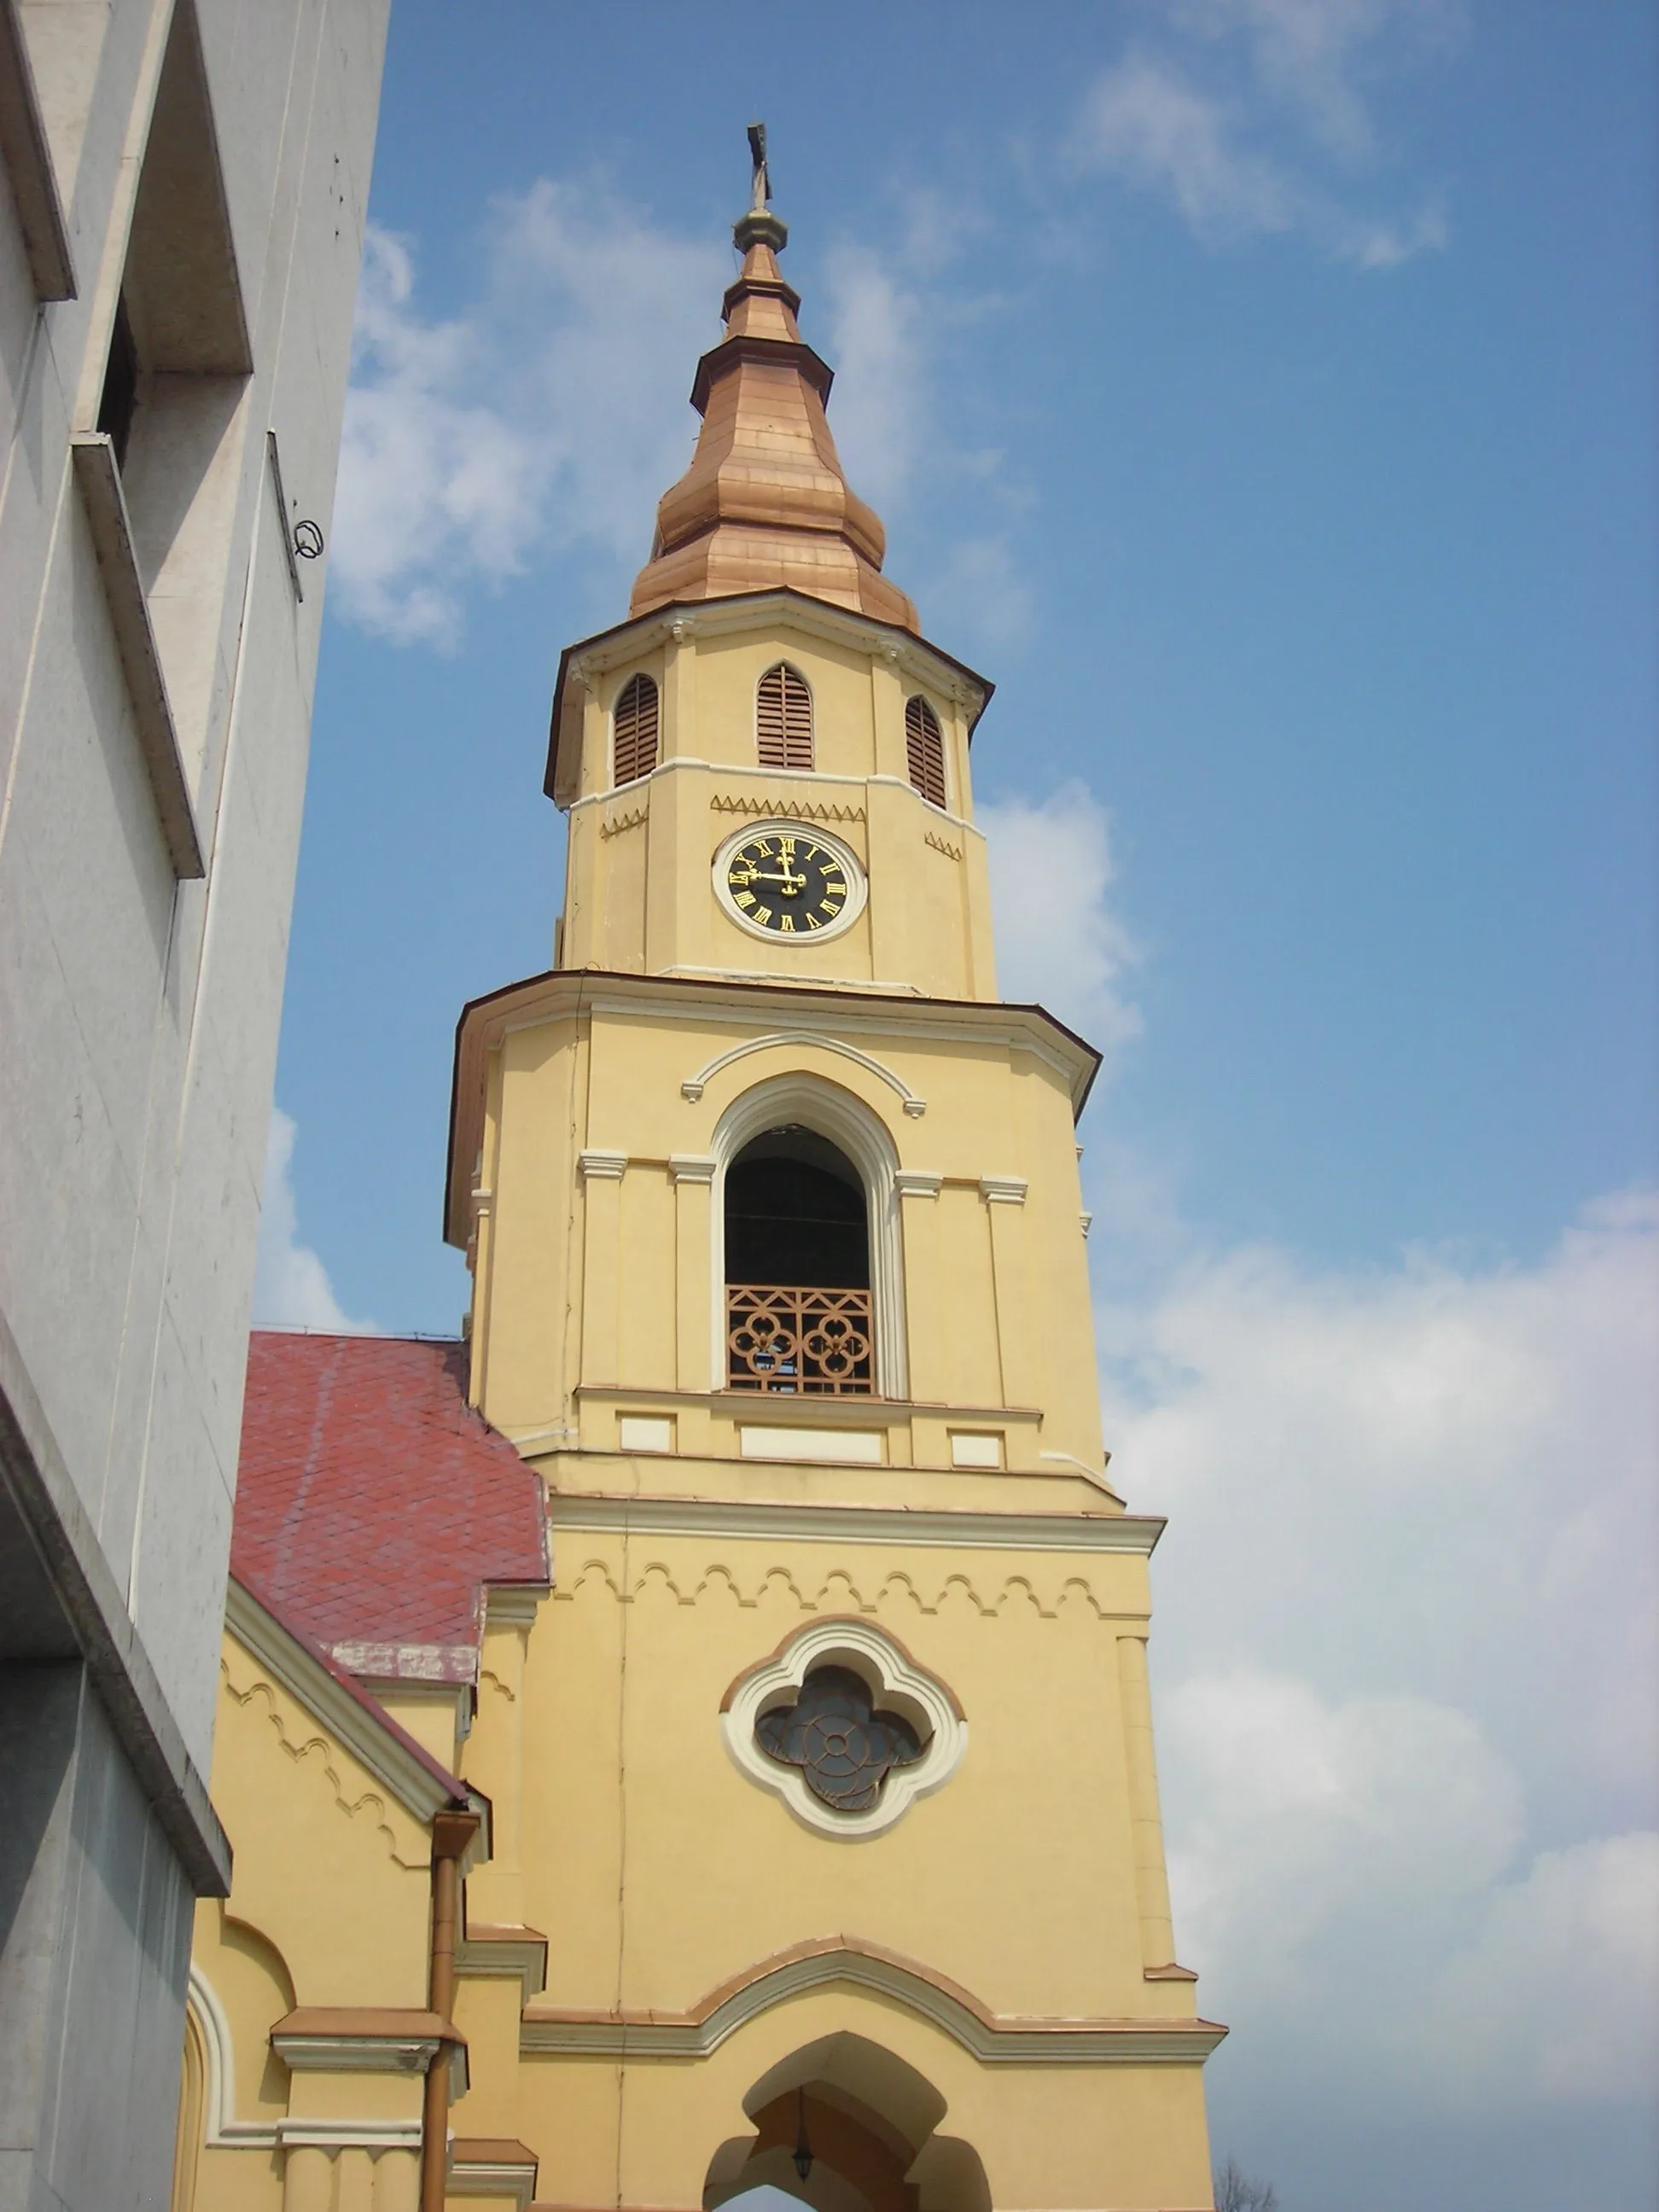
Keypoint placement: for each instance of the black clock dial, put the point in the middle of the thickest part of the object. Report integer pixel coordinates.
(786, 883)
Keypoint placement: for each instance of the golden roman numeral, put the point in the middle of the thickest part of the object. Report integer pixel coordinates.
(763, 914)
(788, 924)
(745, 898)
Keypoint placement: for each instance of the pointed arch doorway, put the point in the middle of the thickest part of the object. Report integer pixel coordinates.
(843, 2125)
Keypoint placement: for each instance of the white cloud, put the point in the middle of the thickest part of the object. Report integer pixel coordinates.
(880, 411)
(291, 1289)
(1407, 1654)
(1312, 56)
(891, 418)
(554, 409)
(1144, 122)
(1076, 972)
(1556, 1998)
(1276, 146)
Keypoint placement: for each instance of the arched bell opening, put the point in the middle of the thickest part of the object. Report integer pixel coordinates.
(798, 1288)
(844, 2125)
(821, 1127)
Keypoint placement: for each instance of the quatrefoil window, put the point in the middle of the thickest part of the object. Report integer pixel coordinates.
(841, 1743)
(844, 1726)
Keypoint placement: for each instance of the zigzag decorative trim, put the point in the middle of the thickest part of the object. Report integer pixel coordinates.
(302, 1752)
(992, 2037)
(943, 845)
(838, 1594)
(613, 825)
(798, 809)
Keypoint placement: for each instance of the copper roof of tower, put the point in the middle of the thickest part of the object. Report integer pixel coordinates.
(764, 502)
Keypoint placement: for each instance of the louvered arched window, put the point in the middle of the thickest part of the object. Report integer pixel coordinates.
(634, 728)
(924, 746)
(783, 719)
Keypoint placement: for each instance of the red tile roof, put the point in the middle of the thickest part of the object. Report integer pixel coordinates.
(373, 1505)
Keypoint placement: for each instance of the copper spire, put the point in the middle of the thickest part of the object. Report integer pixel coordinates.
(764, 502)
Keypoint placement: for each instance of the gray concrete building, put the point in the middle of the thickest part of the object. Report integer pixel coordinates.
(182, 195)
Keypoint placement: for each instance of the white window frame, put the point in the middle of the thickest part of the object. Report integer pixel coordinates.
(849, 1124)
(894, 1682)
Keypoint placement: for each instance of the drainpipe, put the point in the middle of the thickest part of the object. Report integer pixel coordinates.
(453, 1832)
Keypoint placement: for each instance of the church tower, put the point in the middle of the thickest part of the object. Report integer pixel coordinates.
(824, 1772)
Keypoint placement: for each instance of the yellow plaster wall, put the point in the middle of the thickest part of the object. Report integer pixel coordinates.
(1098, 2140)
(365, 1924)
(1016, 1879)
(637, 882)
(591, 1282)
(328, 1907)
(660, 1870)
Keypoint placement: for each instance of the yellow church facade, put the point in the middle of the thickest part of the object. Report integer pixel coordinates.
(775, 1799)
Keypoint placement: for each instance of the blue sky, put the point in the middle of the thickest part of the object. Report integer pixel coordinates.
(1260, 392)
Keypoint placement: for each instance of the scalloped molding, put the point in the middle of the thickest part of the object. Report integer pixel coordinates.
(897, 1680)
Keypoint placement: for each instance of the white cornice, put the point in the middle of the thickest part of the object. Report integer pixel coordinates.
(348, 2053)
(373, 2135)
(514, 1605)
(1003, 1190)
(936, 1528)
(511, 2177)
(991, 2041)
(520, 1959)
(414, 1785)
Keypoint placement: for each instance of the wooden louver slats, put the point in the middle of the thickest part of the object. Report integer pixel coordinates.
(924, 746)
(783, 719)
(634, 730)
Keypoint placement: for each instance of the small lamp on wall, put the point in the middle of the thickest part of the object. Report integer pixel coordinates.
(803, 2149)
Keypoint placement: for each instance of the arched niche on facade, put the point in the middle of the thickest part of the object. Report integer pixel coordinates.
(805, 1101)
(864, 2125)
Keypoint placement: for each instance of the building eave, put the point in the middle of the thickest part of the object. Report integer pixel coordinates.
(560, 993)
(420, 1783)
(641, 633)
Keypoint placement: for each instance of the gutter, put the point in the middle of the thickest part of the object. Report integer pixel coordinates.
(453, 1833)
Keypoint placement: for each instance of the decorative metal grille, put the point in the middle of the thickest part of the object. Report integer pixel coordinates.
(924, 746)
(841, 1743)
(799, 1342)
(783, 719)
(635, 725)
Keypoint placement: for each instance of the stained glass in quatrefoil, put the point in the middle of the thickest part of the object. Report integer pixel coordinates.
(832, 1732)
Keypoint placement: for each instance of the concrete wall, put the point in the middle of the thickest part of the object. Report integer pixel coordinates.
(209, 163)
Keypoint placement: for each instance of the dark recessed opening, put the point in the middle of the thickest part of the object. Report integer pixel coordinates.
(795, 1214)
(120, 393)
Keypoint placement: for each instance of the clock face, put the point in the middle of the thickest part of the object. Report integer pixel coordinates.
(788, 883)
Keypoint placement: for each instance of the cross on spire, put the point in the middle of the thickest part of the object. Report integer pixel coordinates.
(763, 190)
(759, 226)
